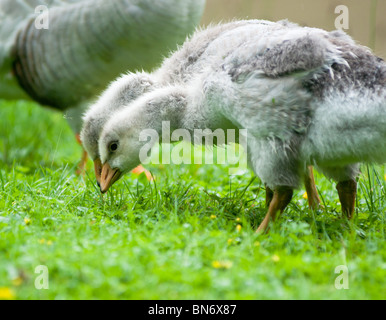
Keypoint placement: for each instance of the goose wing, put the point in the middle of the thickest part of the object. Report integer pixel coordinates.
(268, 76)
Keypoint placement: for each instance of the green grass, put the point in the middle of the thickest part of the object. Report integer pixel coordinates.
(175, 238)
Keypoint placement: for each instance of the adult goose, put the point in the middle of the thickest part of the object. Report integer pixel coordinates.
(306, 97)
(88, 43)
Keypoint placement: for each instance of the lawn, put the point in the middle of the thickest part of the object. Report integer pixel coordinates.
(190, 234)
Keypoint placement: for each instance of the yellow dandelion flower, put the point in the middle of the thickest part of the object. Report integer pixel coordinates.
(213, 216)
(222, 264)
(238, 219)
(7, 294)
(44, 241)
(238, 228)
(275, 258)
(27, 221)
(385, 176)
(305, 195)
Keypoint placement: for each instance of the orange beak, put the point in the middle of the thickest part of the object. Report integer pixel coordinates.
(98, 170)
(108, 177)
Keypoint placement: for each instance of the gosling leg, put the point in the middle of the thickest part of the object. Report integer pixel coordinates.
(312, 193)
(347, 191)
(281, 198)
(83, 160)
(138, 170)
(268, 196)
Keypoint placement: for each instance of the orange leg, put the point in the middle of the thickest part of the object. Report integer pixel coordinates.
(281, 198)
(138, 170)
(268, 196)
(312, 193)
(347, 191)
(83, 161)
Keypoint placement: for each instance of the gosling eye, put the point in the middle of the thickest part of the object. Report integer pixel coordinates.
(113, 146)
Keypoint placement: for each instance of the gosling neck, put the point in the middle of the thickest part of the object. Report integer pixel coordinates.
(165, 105)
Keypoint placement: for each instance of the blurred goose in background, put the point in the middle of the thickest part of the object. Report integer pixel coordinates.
(305, 96)
(88, 44)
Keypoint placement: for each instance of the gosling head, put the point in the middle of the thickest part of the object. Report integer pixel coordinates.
(119, 94)
(120, 150)
(124, 142)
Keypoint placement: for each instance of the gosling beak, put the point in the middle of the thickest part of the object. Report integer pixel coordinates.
(108, 177)
(98, 170)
